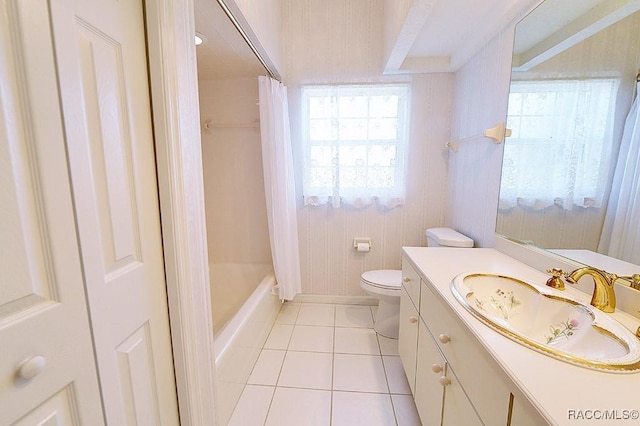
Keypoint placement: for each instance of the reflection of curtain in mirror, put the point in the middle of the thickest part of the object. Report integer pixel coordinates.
(560, 147)
(621, 232)
(277, 162)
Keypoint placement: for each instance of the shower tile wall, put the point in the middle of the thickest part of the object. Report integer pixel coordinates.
(237, 230)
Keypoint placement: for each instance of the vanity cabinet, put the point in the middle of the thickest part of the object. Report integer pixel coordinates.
(453, 379)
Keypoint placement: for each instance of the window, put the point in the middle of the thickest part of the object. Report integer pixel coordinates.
(355, 140)
(561, 144)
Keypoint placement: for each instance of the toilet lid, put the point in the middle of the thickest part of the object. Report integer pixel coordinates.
(385, 278)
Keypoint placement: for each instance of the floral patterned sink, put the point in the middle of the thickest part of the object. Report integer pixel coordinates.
(543, 321)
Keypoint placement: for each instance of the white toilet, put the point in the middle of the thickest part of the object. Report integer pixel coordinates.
(385, 284)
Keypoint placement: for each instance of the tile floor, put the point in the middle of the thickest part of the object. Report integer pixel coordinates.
(324, 364)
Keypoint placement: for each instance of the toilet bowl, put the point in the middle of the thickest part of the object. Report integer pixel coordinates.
(386, 284)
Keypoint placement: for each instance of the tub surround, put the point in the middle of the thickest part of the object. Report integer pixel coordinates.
(559, 391)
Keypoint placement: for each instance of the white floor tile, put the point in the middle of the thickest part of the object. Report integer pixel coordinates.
(292, 407)
(279, 336)
(388, 346)
(253, 406)
(267, 368)
(362, 409)
(353, 316)
(356, 341)
(405, 408)
(312, 370)
(312, 338)
(396, 378)
(316, 314)
(288, 313)
(363, 373)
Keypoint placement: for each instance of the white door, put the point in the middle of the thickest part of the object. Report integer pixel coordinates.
(47, 370)
(101, 57)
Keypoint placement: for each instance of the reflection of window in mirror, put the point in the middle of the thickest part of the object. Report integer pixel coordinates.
(561, 143)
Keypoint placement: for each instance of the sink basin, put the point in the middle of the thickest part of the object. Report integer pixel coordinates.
(553, 325)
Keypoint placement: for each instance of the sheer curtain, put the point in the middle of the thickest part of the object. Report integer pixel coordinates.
(621, 231)
(560, 149)
(277, 162)
(355, 139)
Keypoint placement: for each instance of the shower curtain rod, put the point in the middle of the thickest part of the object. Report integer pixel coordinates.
(272, 73)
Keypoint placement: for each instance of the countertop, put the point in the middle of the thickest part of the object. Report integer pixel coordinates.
(561, 392)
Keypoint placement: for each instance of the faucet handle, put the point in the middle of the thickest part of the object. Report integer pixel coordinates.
(556, 280)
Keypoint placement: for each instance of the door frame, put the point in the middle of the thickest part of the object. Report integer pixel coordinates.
(176, 124)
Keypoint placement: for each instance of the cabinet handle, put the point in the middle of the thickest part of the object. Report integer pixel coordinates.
(445, 381)
(31, 367)
(444, 338)
(436, 368)
(413, 320)
(406, 279)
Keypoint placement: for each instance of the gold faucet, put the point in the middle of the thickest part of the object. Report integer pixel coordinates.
(604, 296)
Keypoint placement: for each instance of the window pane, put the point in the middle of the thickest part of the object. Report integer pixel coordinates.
(537, 127)
(380, 177)
(321, 177)
(353, 129)
(321, 156)
(353, 177)
(383, 106)
(323, 130)
(382, 155)
(383, 128)
(323, 107)
(353, 156)
(353, 106)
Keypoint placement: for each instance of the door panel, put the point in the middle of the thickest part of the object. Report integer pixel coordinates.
(101, 55)
(43, 316)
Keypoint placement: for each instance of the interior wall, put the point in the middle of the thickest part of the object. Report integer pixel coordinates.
(480, 102)
(340, 41)
(236, 214)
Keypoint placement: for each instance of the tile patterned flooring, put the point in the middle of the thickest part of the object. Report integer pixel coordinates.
(323, 364)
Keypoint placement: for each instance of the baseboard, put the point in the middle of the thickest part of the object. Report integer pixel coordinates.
(335, 299)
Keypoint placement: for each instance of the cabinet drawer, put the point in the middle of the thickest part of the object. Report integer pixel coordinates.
(481, 378)
(411, 282)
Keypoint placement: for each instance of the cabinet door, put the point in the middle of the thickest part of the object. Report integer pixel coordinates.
(523, 413)
(457, 408)
(408, 337)
(430, 369)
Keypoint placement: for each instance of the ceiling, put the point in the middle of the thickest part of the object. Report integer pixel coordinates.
(434, 35)
(224, 54)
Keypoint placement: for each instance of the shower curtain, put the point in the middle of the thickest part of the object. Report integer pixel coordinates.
(277, 162)
(621, 231)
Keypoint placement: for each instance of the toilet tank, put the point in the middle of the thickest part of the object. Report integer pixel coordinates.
(447, 237)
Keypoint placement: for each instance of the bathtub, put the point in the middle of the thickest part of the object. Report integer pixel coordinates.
(238, 341)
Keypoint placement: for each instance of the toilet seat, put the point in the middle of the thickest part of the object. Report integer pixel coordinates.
(387, 279)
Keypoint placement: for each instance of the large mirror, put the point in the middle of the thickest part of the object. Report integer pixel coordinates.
(572, 165)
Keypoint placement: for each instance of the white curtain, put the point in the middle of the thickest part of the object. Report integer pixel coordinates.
(621, 231)
(355, 144)
(560, 148)
(279, 184)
